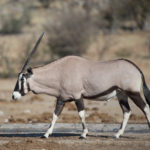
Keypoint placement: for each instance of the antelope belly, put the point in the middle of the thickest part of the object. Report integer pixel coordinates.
(108, 96)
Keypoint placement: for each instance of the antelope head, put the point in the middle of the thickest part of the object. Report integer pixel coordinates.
(21, 87)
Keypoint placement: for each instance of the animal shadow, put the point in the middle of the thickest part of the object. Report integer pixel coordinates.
(38, 135)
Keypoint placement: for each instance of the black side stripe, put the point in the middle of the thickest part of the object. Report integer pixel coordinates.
(101, 94)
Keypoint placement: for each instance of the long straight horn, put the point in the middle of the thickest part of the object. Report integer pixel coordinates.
(32, 52)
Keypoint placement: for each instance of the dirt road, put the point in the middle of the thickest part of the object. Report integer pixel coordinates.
(66, 137)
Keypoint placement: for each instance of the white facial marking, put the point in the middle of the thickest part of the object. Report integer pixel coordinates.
(16, 95)
(25, 86)
(20, 76)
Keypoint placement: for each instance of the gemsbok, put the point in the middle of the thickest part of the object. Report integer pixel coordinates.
(74, 78)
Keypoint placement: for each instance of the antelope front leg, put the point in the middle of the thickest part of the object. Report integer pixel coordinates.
(58, 109)
(80, 107)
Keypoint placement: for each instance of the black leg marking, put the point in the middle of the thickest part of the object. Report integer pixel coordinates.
(123, 101)
(58, 109)
(80, 107)
(138, 100)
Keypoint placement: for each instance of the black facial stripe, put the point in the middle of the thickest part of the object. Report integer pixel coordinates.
(16, 86)
(22, 87)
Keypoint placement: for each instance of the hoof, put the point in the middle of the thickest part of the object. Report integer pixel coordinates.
(82, 138)
(44, 137)
(116, 137)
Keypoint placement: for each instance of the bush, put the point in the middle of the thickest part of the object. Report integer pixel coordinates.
(69, 35)
(12, 23)
(135, 10)
(6, 63)
(45, 3)
(123, 53)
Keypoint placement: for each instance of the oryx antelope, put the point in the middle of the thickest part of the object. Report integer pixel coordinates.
(74, 78)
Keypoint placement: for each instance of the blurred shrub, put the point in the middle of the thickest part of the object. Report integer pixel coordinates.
(11, 25)
(69, 34)
(135, 10)
(116, 14)
(124, 53)
(5, 63)
(45, 3)
(14, 21)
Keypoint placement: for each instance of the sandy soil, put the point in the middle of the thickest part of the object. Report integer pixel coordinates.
(73, 142)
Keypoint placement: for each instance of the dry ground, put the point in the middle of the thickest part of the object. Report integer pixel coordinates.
(73, 142)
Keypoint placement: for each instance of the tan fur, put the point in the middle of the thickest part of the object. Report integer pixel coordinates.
(72, 77)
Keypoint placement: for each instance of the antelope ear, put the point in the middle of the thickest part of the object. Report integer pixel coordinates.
(29, 70)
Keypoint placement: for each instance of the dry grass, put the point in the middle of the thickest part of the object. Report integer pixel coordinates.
(131, 45)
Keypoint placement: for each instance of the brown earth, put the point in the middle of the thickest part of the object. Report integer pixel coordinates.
(73, 142)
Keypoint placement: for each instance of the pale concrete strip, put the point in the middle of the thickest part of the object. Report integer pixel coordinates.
(40, 128)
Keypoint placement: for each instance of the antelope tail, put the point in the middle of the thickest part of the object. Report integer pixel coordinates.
(146, 90)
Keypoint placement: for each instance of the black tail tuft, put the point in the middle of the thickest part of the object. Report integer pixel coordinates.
(146, 91)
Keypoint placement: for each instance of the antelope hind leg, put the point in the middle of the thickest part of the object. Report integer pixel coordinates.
(138, 100)
(123, 101)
